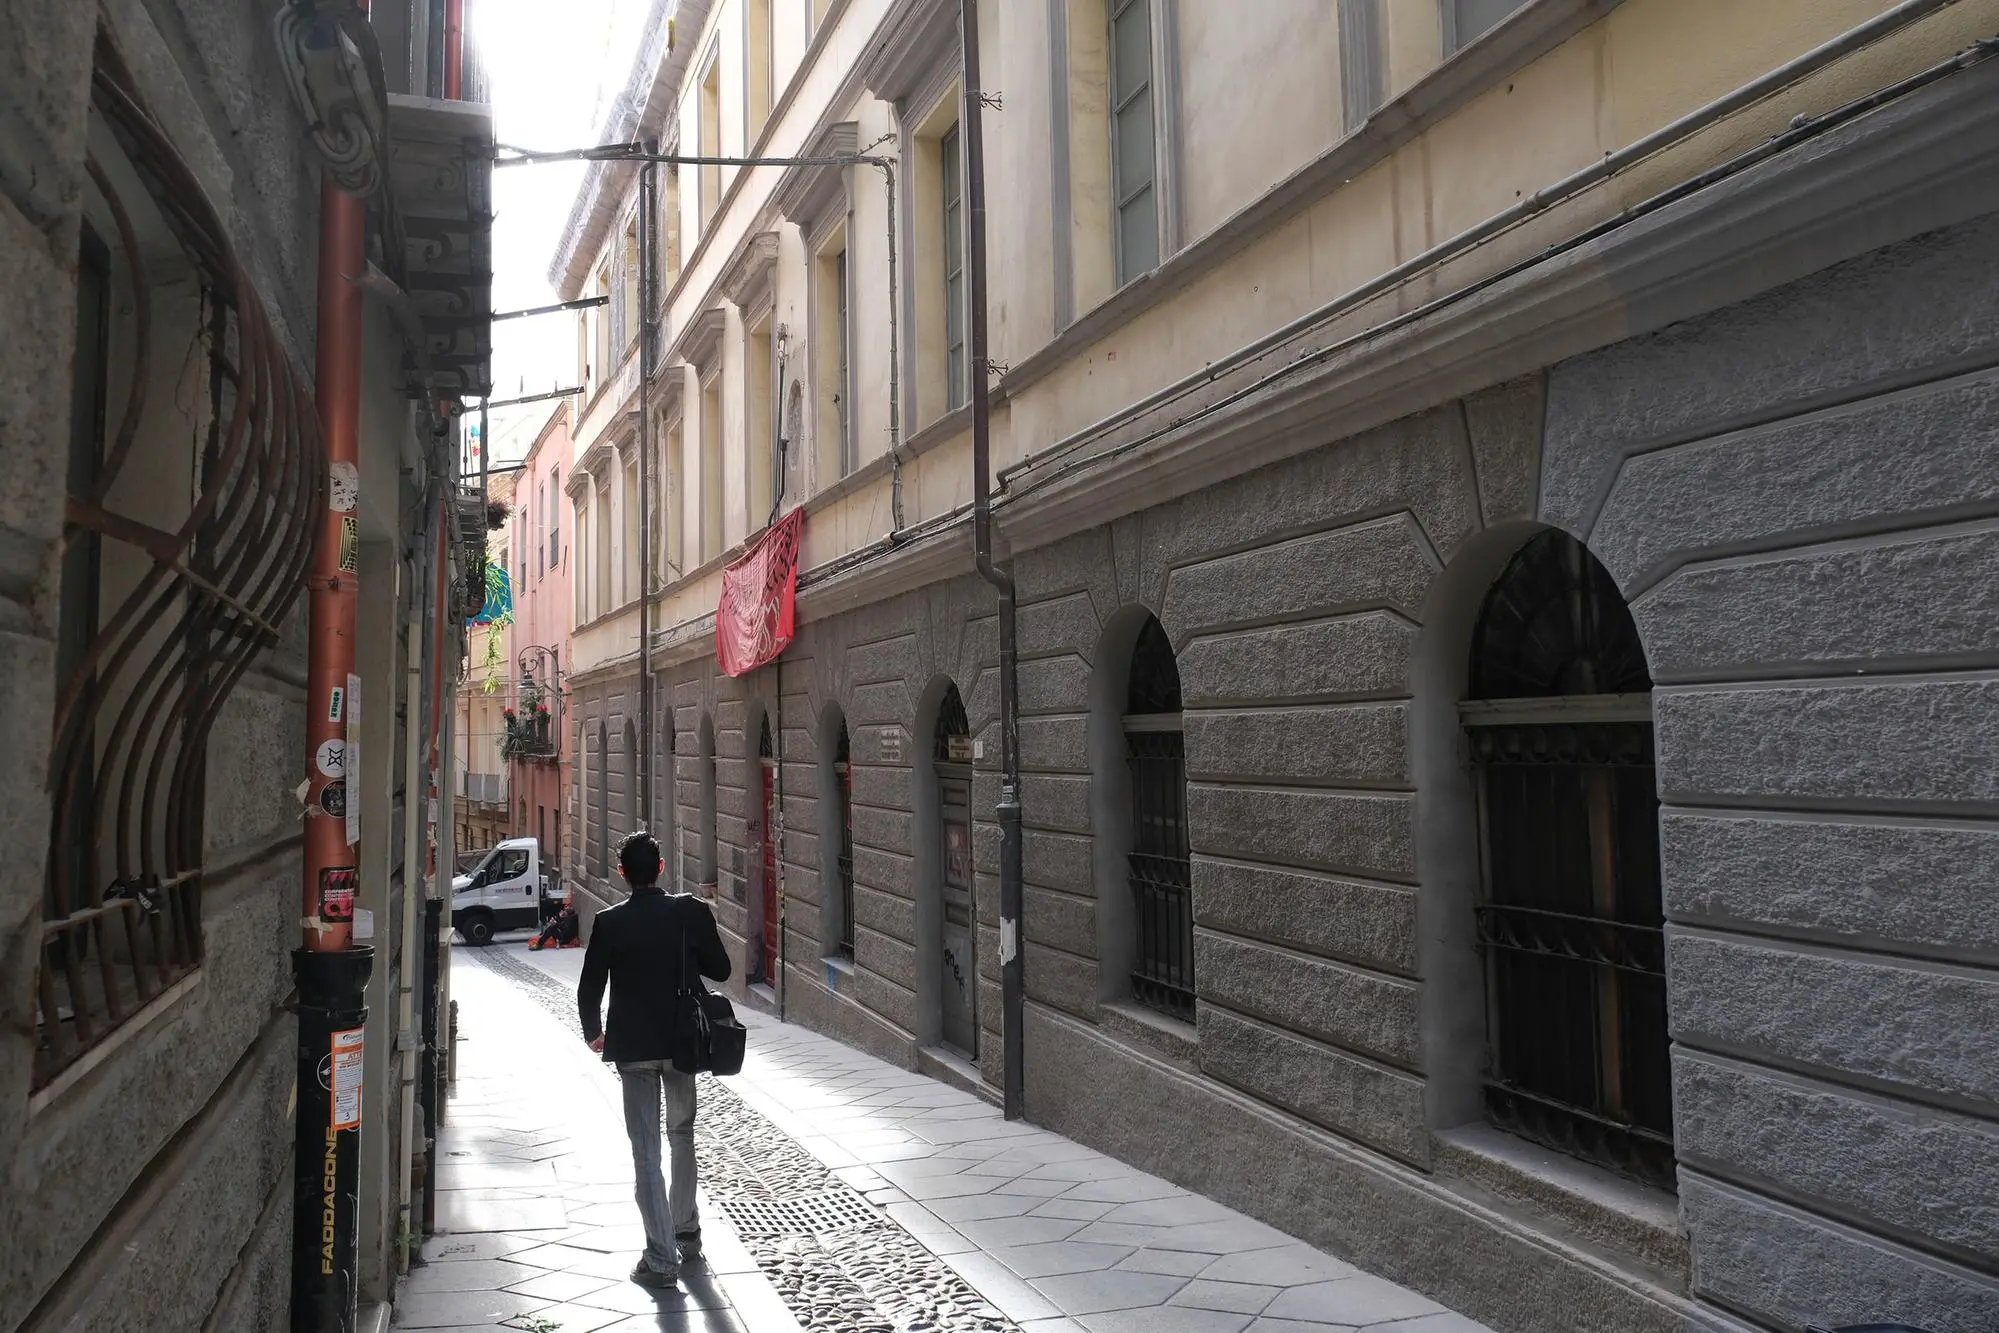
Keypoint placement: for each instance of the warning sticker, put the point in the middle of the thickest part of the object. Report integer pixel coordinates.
(347, 1079)
(350, 544)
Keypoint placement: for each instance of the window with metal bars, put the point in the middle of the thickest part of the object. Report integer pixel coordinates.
(843, 778)
(603, 801)
(202, 575)
(953, 742)
(1571, 919)
(952, 185)
(1161, 873)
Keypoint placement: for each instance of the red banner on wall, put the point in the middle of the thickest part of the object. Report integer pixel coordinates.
(755, 619)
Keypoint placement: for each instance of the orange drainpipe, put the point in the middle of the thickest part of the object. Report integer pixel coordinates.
(330, 886)
(330, 969)
(454, 49)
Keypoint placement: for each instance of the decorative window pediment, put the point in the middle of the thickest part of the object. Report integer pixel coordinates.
(703, 338)
(751, 277)
(917, 39)
(813, 197)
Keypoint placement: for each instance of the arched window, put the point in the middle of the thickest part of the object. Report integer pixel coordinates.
(1160, 873)
(843, 795)
(944, 821)
(603, 801)
(707, 861)
(632, 819)
(1570, 921)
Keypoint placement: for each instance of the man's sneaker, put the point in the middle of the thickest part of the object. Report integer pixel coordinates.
(652, 1277)
(690, 1246)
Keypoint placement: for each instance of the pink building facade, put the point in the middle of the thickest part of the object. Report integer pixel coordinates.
(538, 752)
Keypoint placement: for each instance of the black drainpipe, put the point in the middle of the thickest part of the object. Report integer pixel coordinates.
(1012, 977)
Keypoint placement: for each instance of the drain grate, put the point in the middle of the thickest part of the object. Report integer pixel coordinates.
(813, 1215)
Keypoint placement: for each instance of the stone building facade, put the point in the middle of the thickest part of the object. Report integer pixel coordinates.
(1506, 755)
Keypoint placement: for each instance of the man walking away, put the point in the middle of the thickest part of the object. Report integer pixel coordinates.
(640, 946)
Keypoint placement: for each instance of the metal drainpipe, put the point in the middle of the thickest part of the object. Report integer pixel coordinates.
(330, 970)
(406, 1024)
(648, 298)
(1012, 976)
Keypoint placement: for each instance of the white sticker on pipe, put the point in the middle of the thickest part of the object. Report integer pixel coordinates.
(343, 487)
(331, 759)
(1009, 939)
(364, 924)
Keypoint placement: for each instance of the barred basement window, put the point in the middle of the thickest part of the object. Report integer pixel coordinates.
(194, 486)
(1571, 924)
(1162, 885)
(603, 802)
(843, 776)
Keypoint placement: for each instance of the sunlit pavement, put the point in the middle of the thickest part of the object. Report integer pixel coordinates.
(537, 1228)
(1052, 1237)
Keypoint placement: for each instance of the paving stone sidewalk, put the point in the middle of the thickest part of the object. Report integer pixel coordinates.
(538, 1230)
(883, 1201)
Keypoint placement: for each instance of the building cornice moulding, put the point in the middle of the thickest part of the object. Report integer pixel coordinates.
(752, 272)
(1524, 37)
(701, 341)
(808, 194)
(913, 41)
(1928, 161)
(644, 109)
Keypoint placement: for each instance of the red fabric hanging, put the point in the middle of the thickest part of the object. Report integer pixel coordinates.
(756, 617)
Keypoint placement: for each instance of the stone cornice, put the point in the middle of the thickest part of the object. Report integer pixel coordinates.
(1928, 161)
(669, 387)
(807, 194)
(752, 274)
(643, 109)
(916, 38)
(700, 341)
(1524, 37)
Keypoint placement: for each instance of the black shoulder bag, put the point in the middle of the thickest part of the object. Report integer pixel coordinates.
(711, 1040)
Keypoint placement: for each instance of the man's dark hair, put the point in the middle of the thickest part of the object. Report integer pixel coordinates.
(639, 856)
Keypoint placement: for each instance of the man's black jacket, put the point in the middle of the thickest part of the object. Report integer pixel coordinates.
(639, 945)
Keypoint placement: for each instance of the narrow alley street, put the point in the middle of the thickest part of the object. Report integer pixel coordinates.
(839, 1194)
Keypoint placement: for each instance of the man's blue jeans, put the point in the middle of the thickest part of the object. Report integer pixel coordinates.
(667, 1212)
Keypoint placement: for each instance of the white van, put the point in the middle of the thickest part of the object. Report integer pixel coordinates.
(506, 891)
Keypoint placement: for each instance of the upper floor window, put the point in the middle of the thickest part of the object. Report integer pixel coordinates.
(762, 71)
(1465, 21)
(1571, 917)
(554, 517)
(1133, 160)
(711, 139)
(951, 183)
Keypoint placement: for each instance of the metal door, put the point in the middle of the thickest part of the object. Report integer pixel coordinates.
(767, 859)
(960, 963)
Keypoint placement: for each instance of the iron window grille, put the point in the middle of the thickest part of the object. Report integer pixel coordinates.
(843, 775)
(140, 684)
(1571, 918)
(1159, 864)
(952, 725)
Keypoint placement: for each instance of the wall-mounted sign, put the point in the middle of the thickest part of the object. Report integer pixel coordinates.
(889, 741)
(958, 749)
